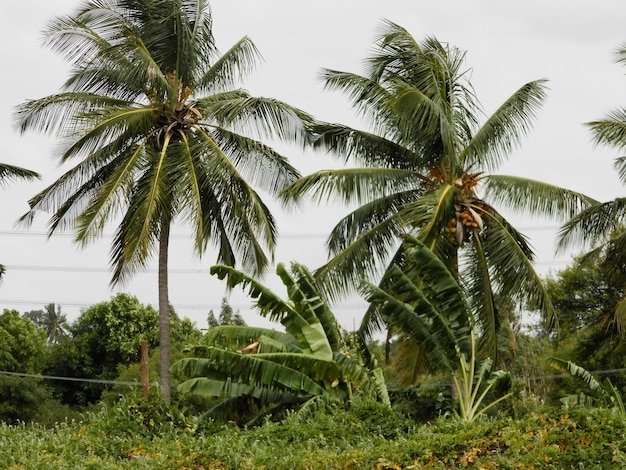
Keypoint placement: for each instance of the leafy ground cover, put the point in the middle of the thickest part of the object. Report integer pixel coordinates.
(146, 434)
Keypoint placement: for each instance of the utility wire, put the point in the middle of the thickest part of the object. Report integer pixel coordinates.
(74, 379)
(138, 384)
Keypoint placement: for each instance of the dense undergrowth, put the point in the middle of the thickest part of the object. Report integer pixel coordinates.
(147, 434)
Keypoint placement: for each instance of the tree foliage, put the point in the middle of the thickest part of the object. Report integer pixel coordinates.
(22, 347)
(425, 168)
(259, 369)
(51, 320)
(158, 131)
(425, 302)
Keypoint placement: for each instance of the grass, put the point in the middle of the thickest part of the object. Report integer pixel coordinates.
(146, 435)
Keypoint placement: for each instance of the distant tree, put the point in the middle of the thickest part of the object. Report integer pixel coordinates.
(51, 320)
(211, 320)
(21, 343)
(116, 329)
(587, 293)
(105, 339)
(104, 336)
(36, 316)
(587, 296)
(22, 347)
(227, 316)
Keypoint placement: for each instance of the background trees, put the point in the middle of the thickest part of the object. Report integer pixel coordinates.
(227, 316)
(21, 351)
(161, 134)
(51, 320)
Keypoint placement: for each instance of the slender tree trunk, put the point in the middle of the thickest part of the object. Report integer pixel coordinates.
(164, 313)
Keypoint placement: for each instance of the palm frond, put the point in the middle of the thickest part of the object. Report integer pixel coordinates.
(12, 172)
(231, 67)
(477, 281)
(259, 117)
(593, 225)
(371, 100)
(260, 164)
(365, 148)
(611, 130)
(349, 185)
(504, 129)
(510, 258)
(531, 197)
(358, 260)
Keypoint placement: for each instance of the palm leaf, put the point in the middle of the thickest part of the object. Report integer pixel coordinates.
(11, 172)
(504, 129)
(511, 266)
(593, 225)
(365, 148)
(530, 197)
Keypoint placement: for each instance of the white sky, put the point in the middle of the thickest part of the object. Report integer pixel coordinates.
(509, 43)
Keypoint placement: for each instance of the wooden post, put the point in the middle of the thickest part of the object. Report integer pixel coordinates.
(144, 368)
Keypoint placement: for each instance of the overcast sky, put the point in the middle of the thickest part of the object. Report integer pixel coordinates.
(572, 44)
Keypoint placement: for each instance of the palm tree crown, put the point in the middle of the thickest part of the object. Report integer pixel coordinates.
(153, 115)
(424, 171)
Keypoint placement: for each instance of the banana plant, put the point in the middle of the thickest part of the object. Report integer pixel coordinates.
(423, 300)
(264, 370)
(604, 394)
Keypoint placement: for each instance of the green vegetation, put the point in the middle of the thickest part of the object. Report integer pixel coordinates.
(148, 434)
(162, 134)
(259, 371)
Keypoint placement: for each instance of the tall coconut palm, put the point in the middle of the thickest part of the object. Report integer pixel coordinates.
(600, 227)
(424, 170)
(152, 114)
(9, 173)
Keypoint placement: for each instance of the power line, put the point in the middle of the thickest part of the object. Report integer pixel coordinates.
(138, 384)
(39, 234)
(84, 269)
(207, 307)
(22, 233)
(74, 379)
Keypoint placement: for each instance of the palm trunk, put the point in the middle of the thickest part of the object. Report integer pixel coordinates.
(164, 313)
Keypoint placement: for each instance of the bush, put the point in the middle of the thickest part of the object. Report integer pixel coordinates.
(423, 403)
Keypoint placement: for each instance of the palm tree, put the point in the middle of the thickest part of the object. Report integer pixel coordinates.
(8, 173)
(422, 166)
(54, 323)
(161, 134)
(600, 227)
(312, 360)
